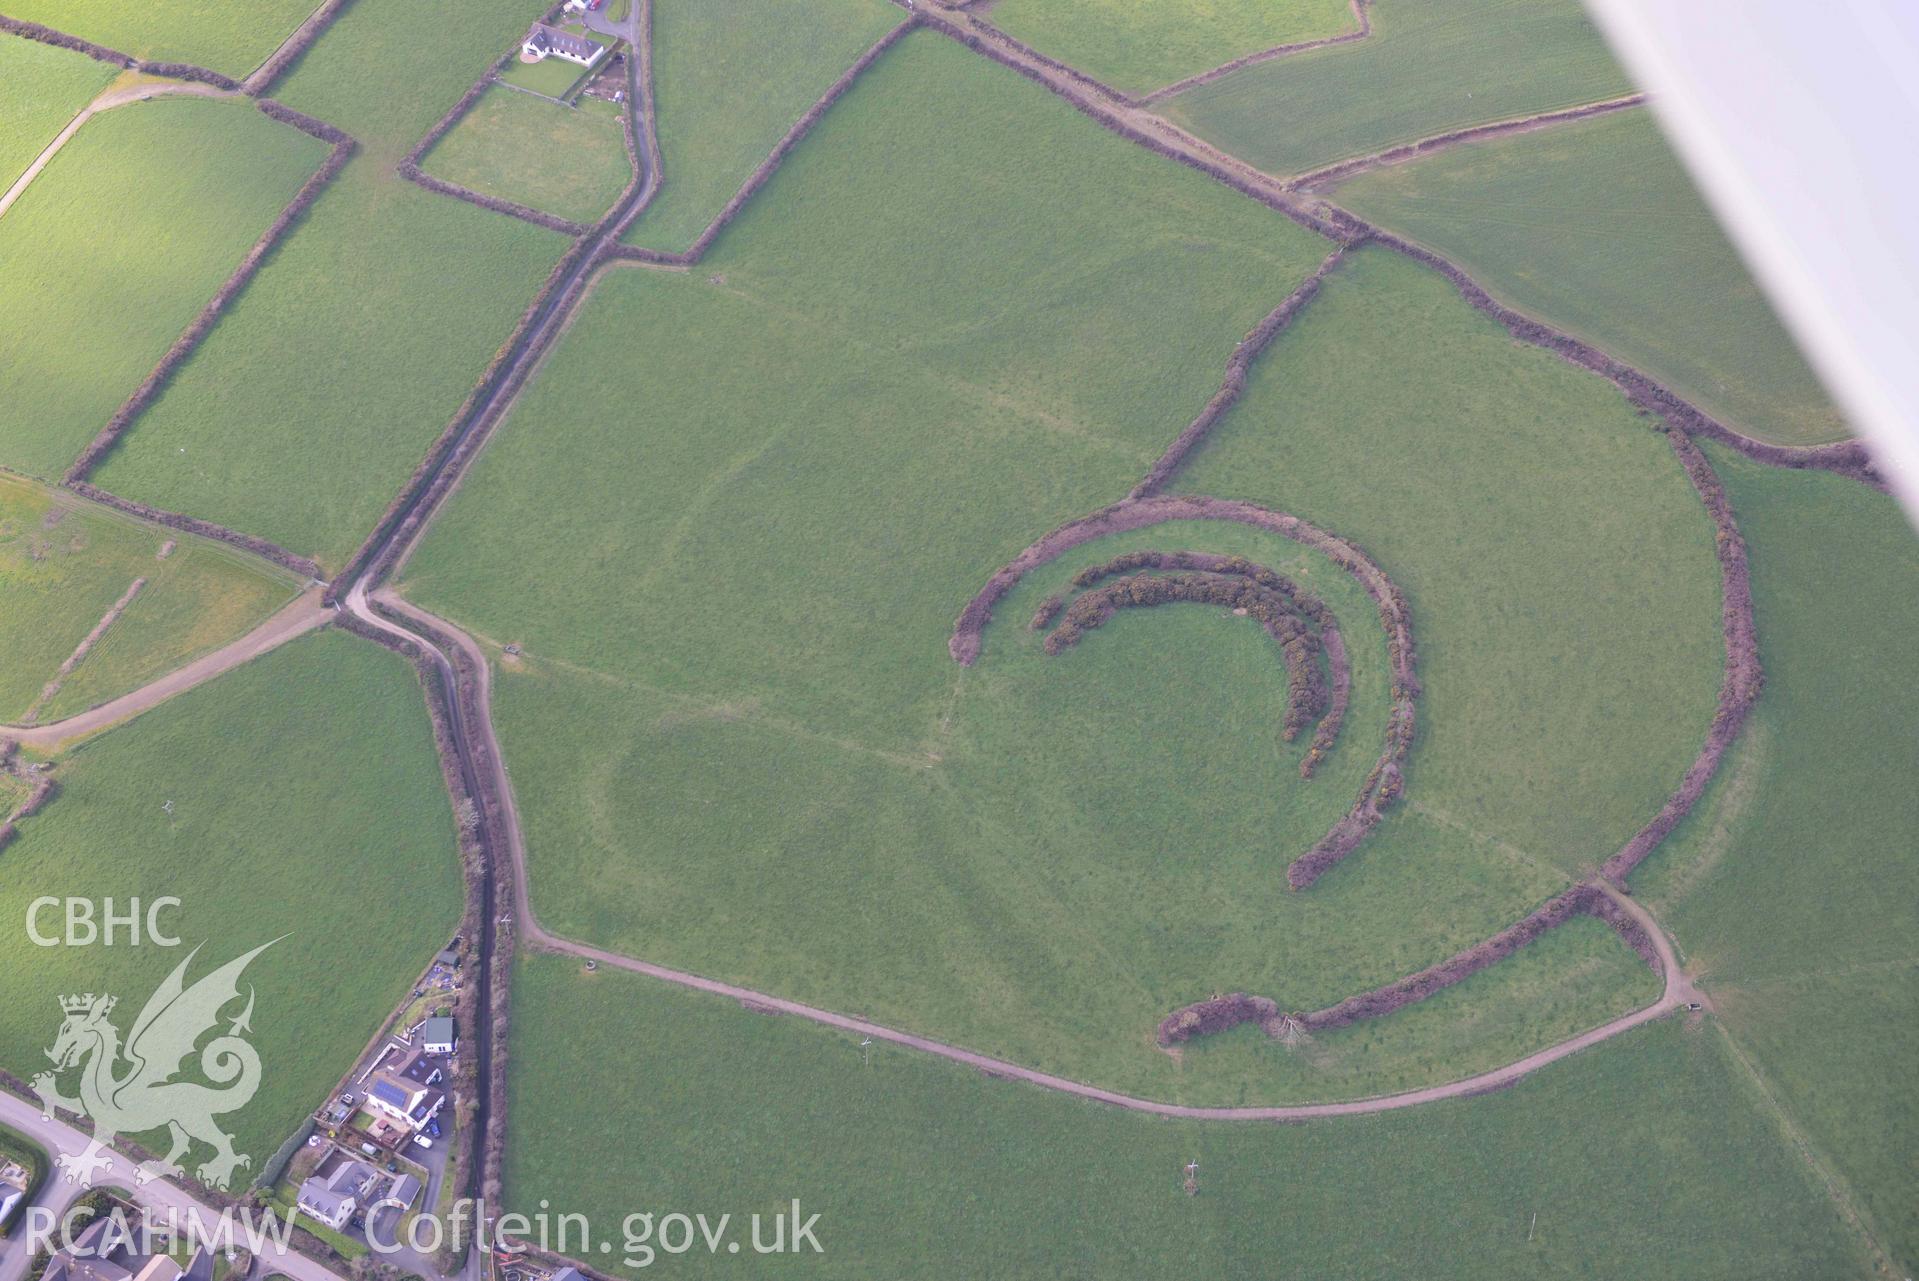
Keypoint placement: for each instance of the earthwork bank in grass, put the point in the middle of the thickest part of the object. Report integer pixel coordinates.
(64, 563)
(569, 161)
(41, 88)
(1595, 228)
(729, 81)
(229, 39)
(101, 280)
(767, 486)
(1792, 887)
(318, 393)
(1646, 1156)
(1561, 570)
(1139, 45)
(1427, 68)
(307, 802)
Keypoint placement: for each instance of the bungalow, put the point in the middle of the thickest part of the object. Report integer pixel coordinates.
(543, 41)
(436, 1037)
(332, 1198)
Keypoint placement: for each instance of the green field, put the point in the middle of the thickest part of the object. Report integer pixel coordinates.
(41, 88)
(740, 744)
(367, 75)
(63, 565)
(1594, 227)
(1429, 66)
(1647, 1157)
(98, 285)
(224, 37)
(315, 397)
(713, 135)
(1140, 45)
(1793, 887)
(567, 161)
(307, 803)
(1559, 566)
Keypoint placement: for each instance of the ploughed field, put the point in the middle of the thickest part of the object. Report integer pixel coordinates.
(740, 746)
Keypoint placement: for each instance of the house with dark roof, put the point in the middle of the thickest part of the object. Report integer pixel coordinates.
(543, 41)
(410, 1096)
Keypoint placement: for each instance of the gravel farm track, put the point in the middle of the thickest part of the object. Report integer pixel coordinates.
(462, 666)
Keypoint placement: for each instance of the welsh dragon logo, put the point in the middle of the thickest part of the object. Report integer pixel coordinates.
(131, 1089)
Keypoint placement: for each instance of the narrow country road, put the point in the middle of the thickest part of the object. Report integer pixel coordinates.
(109, 99)
(301, 615)
(160, 1196)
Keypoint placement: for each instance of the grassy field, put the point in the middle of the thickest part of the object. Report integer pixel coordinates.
(1648, 1157)
(1560, 567)
(307, 803)
(1793, 888)
(713, 135)
(366, 74)
(785, 779)
(318, 393)
(41, 88)
(1137, 46)
(1427, 68)
(219, 36)
(567, 161)
(63, 565)
(99, 285)
(553, 77)
(1595, 227)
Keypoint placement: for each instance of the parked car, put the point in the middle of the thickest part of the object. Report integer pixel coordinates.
(369, 1149)
(433, 1128)
(423, 1140)
(347, 1099)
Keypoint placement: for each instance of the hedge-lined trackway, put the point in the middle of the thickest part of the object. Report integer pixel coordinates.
(463, 664)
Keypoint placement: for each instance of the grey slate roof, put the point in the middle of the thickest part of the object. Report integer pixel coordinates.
(553, 40)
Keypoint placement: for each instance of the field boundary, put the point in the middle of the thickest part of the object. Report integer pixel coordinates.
(769, 166)
(293, 48)
(409, 166)
(236, 282)
(1158, 135)
(1385, 782)
(1340, 171)
(1218, 1014)
(260, 547)
(1250, 348)
(1360, 11)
